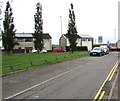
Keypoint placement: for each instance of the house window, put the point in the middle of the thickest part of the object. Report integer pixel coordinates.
(46, 40)
(84, 39)
(89, 39)
(20, 40)
(19, 47)
(28, 40)
(78, 40)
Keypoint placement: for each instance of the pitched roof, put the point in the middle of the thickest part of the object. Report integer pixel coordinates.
(85, 36)
(46, 36)
(23, 35)
(67, 36)
(29, 35)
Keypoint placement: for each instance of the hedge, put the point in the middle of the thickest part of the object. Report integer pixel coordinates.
(96, 45)
(78, 48)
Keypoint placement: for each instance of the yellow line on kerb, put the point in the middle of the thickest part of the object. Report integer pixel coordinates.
(98, 93)
(113, 71)
(102, 94)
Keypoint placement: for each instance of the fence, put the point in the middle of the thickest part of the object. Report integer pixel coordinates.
(19, 66)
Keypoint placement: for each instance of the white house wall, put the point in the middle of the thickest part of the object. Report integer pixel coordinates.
(78, 42)
(24, 44)
(47, 44)
(118, 44)
(65, 42)
(88, 44)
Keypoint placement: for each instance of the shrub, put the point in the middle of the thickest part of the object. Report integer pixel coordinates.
(78, 48)
(82, 48)
(67, 48)
(97, 45)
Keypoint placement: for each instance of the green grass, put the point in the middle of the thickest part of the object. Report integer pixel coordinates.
(49, 58)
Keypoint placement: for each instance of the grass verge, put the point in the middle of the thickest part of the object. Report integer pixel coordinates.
(17, 62)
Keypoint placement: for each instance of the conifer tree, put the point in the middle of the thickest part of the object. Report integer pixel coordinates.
(38, 33)
(72, 30)
(8, 34)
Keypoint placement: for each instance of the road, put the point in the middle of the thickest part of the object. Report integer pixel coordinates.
(75, 79)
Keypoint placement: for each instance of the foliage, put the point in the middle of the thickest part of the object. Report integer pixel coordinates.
(97, 45)
(72, 31)
(82, 48)
(8, 35)
(78, 48)
(38, 33)
(67, 48)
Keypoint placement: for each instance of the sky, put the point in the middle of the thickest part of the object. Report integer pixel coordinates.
(93, 17)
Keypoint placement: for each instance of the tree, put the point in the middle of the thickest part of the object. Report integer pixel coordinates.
(72, 31)
(38, 33)
(8, 34)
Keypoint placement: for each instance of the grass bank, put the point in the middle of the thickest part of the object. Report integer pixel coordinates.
(17, 62)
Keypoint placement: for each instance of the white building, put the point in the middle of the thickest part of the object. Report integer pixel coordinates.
(26, 42)
(63, 41)
(82, 40)
(87, 40)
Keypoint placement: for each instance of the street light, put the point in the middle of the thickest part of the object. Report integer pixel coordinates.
(61, 24)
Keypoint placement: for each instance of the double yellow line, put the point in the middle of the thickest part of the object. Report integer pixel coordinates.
(101, 93)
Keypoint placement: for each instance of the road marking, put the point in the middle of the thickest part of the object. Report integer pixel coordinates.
(98, 93)
(113, 72)
(21, 92)
(102, 94)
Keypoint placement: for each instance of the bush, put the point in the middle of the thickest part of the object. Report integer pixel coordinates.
(78, 48)
(67, 48)
(96, 45)
(82, 48)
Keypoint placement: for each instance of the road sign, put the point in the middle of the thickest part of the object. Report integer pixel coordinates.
(100, 39)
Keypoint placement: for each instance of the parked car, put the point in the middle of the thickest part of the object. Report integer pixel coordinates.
(36, 51)
(58, 50)
(97, 51)
(106, 49)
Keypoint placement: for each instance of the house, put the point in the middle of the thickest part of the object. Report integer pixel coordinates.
(26, 42)
(82, 40)
(87, 40)
(63, 41)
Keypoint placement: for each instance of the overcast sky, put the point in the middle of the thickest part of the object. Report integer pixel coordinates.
(93, 17)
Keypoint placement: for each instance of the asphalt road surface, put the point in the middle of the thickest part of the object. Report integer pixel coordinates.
(75, 79)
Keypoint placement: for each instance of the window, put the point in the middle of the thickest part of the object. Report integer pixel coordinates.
(84, 39)
(19, 47)
(28, 40)
(89, 39)
(78, 40)
(20, 40)
(45, 40)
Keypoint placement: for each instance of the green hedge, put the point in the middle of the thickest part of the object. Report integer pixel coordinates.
(67, 48)
(78, 48)
(82, 48)
(97, 45)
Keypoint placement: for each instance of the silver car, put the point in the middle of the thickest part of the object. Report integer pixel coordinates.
(106, 49)
(97, 51)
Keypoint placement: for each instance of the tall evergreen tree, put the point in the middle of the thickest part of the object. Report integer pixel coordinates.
(72, 30)
(8, 34)
(38, 33)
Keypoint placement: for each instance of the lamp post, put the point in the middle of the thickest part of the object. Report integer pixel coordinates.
(115, 35)
(61, 24)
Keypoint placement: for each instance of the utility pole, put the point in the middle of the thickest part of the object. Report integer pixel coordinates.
(115, 35)
(61, 24)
